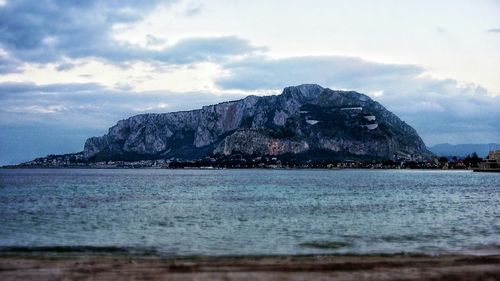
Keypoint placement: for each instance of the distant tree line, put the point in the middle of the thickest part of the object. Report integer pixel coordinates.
(471, 160)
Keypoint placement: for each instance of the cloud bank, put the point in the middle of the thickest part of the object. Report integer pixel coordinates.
(36, 120)
(442, 110)
(51, 30)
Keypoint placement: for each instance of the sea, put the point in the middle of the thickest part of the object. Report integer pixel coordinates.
(177, 213)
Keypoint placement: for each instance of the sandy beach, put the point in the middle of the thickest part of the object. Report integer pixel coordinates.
(376, 267)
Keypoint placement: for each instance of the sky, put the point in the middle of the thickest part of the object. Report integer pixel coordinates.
(70, 69)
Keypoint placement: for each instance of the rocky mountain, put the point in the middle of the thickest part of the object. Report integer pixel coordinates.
(306, 120)
(462, 150)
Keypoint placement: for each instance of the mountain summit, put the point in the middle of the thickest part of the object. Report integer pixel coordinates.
(306, 120)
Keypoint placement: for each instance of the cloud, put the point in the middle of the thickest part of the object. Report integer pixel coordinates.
(494, 30)
(206, 49)
(442, 110)
(36, 120)
(8, 65)
(51, 30)
(16, 89)
(440, 29)
(152, 40)
(45, 30)
(65, 66)
(193, 9)
(264, 73)
(25, 101)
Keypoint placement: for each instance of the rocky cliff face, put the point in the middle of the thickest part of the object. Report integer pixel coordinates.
(303, 119)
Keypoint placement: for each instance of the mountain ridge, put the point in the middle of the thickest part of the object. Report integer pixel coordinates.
(302, 119)
(463, 150)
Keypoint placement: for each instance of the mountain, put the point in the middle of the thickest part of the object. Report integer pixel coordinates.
(462, 150)
(306, 121)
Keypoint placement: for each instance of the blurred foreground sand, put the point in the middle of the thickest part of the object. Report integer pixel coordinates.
(396, 267)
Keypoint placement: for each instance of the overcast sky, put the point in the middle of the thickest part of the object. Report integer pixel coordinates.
(71, 69)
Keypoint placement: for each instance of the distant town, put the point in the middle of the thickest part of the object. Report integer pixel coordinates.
(76, 160)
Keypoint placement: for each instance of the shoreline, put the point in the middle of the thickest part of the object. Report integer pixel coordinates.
(281, 267)
(231, 168)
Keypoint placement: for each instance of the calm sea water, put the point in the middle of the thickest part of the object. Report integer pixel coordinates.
(248, 212)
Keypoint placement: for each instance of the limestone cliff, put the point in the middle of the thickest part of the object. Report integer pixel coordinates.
(303, 119)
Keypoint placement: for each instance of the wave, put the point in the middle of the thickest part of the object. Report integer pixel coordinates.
(324, 244)
(73, 250)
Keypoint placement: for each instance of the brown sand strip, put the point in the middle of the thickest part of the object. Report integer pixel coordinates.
(453, 267)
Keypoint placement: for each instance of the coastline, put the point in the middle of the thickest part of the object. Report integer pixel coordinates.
(244, 161)
(310, 267)
(9, 167)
